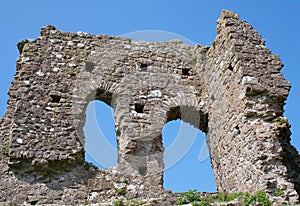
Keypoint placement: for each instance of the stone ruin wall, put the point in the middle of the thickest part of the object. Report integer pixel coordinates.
(233, 91)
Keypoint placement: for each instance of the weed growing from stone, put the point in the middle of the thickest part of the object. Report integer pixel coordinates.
(90, 166)
(6, 149)
(226, 197)
(192, 60)
(281, 121)
(188, 197)
(259, 197)
(118, 203)
(195, 200)
(71, 73)
(121, 191)
(126, 181)
(279, 192)
(137, 202)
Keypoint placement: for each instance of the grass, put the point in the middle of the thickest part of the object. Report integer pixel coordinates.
(279, 192)
(71, 73)
(90, 166)
(192, 60)
(118, 203)
(281, 121)
(191, 197)
(259, 197)
(226, 197)
(188, 197)
(121, 191)
(6, 149)
(137, 202)
(126, 181)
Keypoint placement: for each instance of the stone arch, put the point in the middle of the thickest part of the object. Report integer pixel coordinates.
(140, 144)
(88, 88)
(191, 115)
(81, 104)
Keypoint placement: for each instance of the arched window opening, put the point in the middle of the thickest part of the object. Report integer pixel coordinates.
(186, 157)
(100, 135)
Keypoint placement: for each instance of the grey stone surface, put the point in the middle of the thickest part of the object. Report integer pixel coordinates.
(233, 91)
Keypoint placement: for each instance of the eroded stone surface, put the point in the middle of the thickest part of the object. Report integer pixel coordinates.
(233, 91)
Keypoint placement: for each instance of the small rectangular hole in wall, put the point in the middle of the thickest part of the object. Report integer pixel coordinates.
(55, 98)
(144, 67)
(237, 130)
(139, 108)
(186, 71)
(230, 67)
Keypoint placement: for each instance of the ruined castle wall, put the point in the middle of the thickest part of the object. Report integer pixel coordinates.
(59, 73)
(233, 91)
(246, 94)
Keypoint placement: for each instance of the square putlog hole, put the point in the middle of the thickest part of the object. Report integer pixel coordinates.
(139, 108)
(55, 98)
(186, 71)
(144, 67)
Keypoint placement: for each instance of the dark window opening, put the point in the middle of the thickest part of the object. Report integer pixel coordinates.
(55, 98)
(139, 108)
(144, 67)
(186, 71)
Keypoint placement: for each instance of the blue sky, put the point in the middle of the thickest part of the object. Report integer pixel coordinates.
(276, 21)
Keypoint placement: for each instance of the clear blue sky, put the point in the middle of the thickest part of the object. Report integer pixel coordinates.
(276, 21)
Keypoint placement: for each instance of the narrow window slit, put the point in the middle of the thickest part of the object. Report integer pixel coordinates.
(230, 67)
(237, 130)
